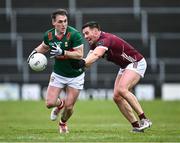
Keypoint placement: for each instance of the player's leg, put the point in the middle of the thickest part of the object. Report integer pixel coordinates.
(52, 95)
(144, 122)
(72, 92)
(72, 95)
(124, 106)
(128, 80)
(139, 68)
(52, 98)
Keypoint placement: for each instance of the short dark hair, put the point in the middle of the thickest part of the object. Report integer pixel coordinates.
(92, 24)
(59, 12)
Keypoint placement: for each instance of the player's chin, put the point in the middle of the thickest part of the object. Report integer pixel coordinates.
(90, 42)
(63, 30)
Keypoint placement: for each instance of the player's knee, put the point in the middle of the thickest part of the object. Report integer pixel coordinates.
(50, 104)
(122, 91)
(120, 94)
(117, 98)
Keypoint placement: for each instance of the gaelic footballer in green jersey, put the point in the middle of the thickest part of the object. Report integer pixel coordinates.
(66, 47)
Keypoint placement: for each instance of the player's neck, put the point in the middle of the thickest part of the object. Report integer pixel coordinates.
(59, 33)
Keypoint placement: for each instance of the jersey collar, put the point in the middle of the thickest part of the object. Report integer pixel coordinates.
(59, 37)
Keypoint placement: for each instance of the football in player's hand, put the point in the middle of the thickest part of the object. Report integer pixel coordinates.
(38, 62)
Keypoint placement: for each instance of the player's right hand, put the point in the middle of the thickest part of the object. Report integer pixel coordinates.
(56, 51)
(32, 53)
(77, 65)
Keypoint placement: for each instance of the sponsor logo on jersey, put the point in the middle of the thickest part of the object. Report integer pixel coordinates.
(59, 43)
(53, 43)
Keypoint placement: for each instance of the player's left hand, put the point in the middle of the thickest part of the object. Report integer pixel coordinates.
(80, 64)
(32, 53)
(56, 51)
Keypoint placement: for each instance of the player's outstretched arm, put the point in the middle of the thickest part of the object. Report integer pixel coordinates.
(77, 52)
(92, 57)
(97, 53)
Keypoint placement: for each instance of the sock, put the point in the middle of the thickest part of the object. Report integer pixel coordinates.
(142, 116)
(60, 106)
(135, 124)
(62, 122)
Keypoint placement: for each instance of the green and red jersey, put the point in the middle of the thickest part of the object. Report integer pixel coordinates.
(71, 39)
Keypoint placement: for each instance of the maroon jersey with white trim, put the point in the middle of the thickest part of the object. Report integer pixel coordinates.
(119, 51)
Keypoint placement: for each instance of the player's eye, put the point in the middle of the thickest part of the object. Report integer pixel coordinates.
(61, 21)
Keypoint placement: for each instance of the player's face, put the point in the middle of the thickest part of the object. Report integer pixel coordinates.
(60, 23)
(91, 35)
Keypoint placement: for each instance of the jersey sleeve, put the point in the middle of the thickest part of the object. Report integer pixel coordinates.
(77, 39)
(103, 42)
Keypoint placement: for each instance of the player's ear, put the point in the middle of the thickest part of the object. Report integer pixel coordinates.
(53, 22)
(96, 31)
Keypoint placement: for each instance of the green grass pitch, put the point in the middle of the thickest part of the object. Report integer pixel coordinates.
(92, 121)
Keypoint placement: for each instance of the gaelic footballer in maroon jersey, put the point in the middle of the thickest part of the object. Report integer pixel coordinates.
(132, 67)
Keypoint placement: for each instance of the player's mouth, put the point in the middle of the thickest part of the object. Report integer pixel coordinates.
(63, 29)
(90, 41)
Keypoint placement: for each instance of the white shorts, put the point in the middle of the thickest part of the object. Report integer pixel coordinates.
(138, 67)
(61, 81)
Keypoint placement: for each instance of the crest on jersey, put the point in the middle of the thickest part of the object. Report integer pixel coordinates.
(66, 44)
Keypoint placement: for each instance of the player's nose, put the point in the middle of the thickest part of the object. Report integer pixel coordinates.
(85, 36)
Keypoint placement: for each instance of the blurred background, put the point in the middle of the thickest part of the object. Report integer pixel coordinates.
(151, 26)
